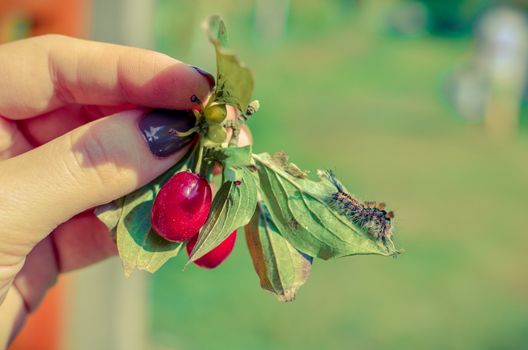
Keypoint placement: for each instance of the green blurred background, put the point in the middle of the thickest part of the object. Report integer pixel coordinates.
(341, 88)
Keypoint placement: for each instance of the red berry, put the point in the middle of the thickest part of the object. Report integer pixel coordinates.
(181, 207)
(215, 256)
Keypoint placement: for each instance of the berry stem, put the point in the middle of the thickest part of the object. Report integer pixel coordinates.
(199, 157)
(177, 133)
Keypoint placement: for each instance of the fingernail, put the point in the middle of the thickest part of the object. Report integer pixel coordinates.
(210, 78)
(158, 127)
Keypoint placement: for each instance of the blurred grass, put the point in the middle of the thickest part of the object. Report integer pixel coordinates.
(368, 105)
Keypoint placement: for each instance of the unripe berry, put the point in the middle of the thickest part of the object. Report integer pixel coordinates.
(217, 133)
(181, 207)
(216, 113)
(216, 256)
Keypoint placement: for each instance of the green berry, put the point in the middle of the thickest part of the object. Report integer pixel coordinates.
(217, 133)
(215, 114)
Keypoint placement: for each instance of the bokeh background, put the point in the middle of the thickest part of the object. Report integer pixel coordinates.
(417, 103)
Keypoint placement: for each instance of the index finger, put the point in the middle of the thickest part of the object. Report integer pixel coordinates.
(44, 73)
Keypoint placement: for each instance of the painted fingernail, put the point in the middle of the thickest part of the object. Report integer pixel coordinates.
(210, 78)
(159, 126)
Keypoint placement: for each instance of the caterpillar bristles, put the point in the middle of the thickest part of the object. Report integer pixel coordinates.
(369, 215)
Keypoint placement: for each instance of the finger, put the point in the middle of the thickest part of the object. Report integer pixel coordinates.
(82, 241)
(12, 317)
(79, 242)
(44, 73)
(12, 141)
(38, 274)
(245, 138)
(89, 166)
(51, 125)
(48, 126)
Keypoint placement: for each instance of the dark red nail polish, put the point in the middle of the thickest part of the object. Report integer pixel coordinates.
(210, 78)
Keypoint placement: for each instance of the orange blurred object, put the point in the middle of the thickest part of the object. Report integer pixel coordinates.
(42, 329)
(19, 19)
(68, 17)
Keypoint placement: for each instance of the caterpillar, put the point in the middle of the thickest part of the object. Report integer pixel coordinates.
(372, 217)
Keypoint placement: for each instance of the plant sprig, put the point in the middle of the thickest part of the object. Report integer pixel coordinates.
(289, 219)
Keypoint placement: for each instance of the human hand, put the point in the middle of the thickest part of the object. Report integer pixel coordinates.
(69, 141)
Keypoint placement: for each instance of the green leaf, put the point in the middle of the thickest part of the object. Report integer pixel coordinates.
(138, 245)
(281, 161)
(110, 214)
(232, 157)
(301, 210)
(282, 269)
(216, 30)
(234, 80)
(232, 208)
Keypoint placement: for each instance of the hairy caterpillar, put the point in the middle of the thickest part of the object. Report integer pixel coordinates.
(374, 219)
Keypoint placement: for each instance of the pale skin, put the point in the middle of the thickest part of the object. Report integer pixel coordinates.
(69, 141)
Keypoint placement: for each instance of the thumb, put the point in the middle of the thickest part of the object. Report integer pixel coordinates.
(89, 166)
